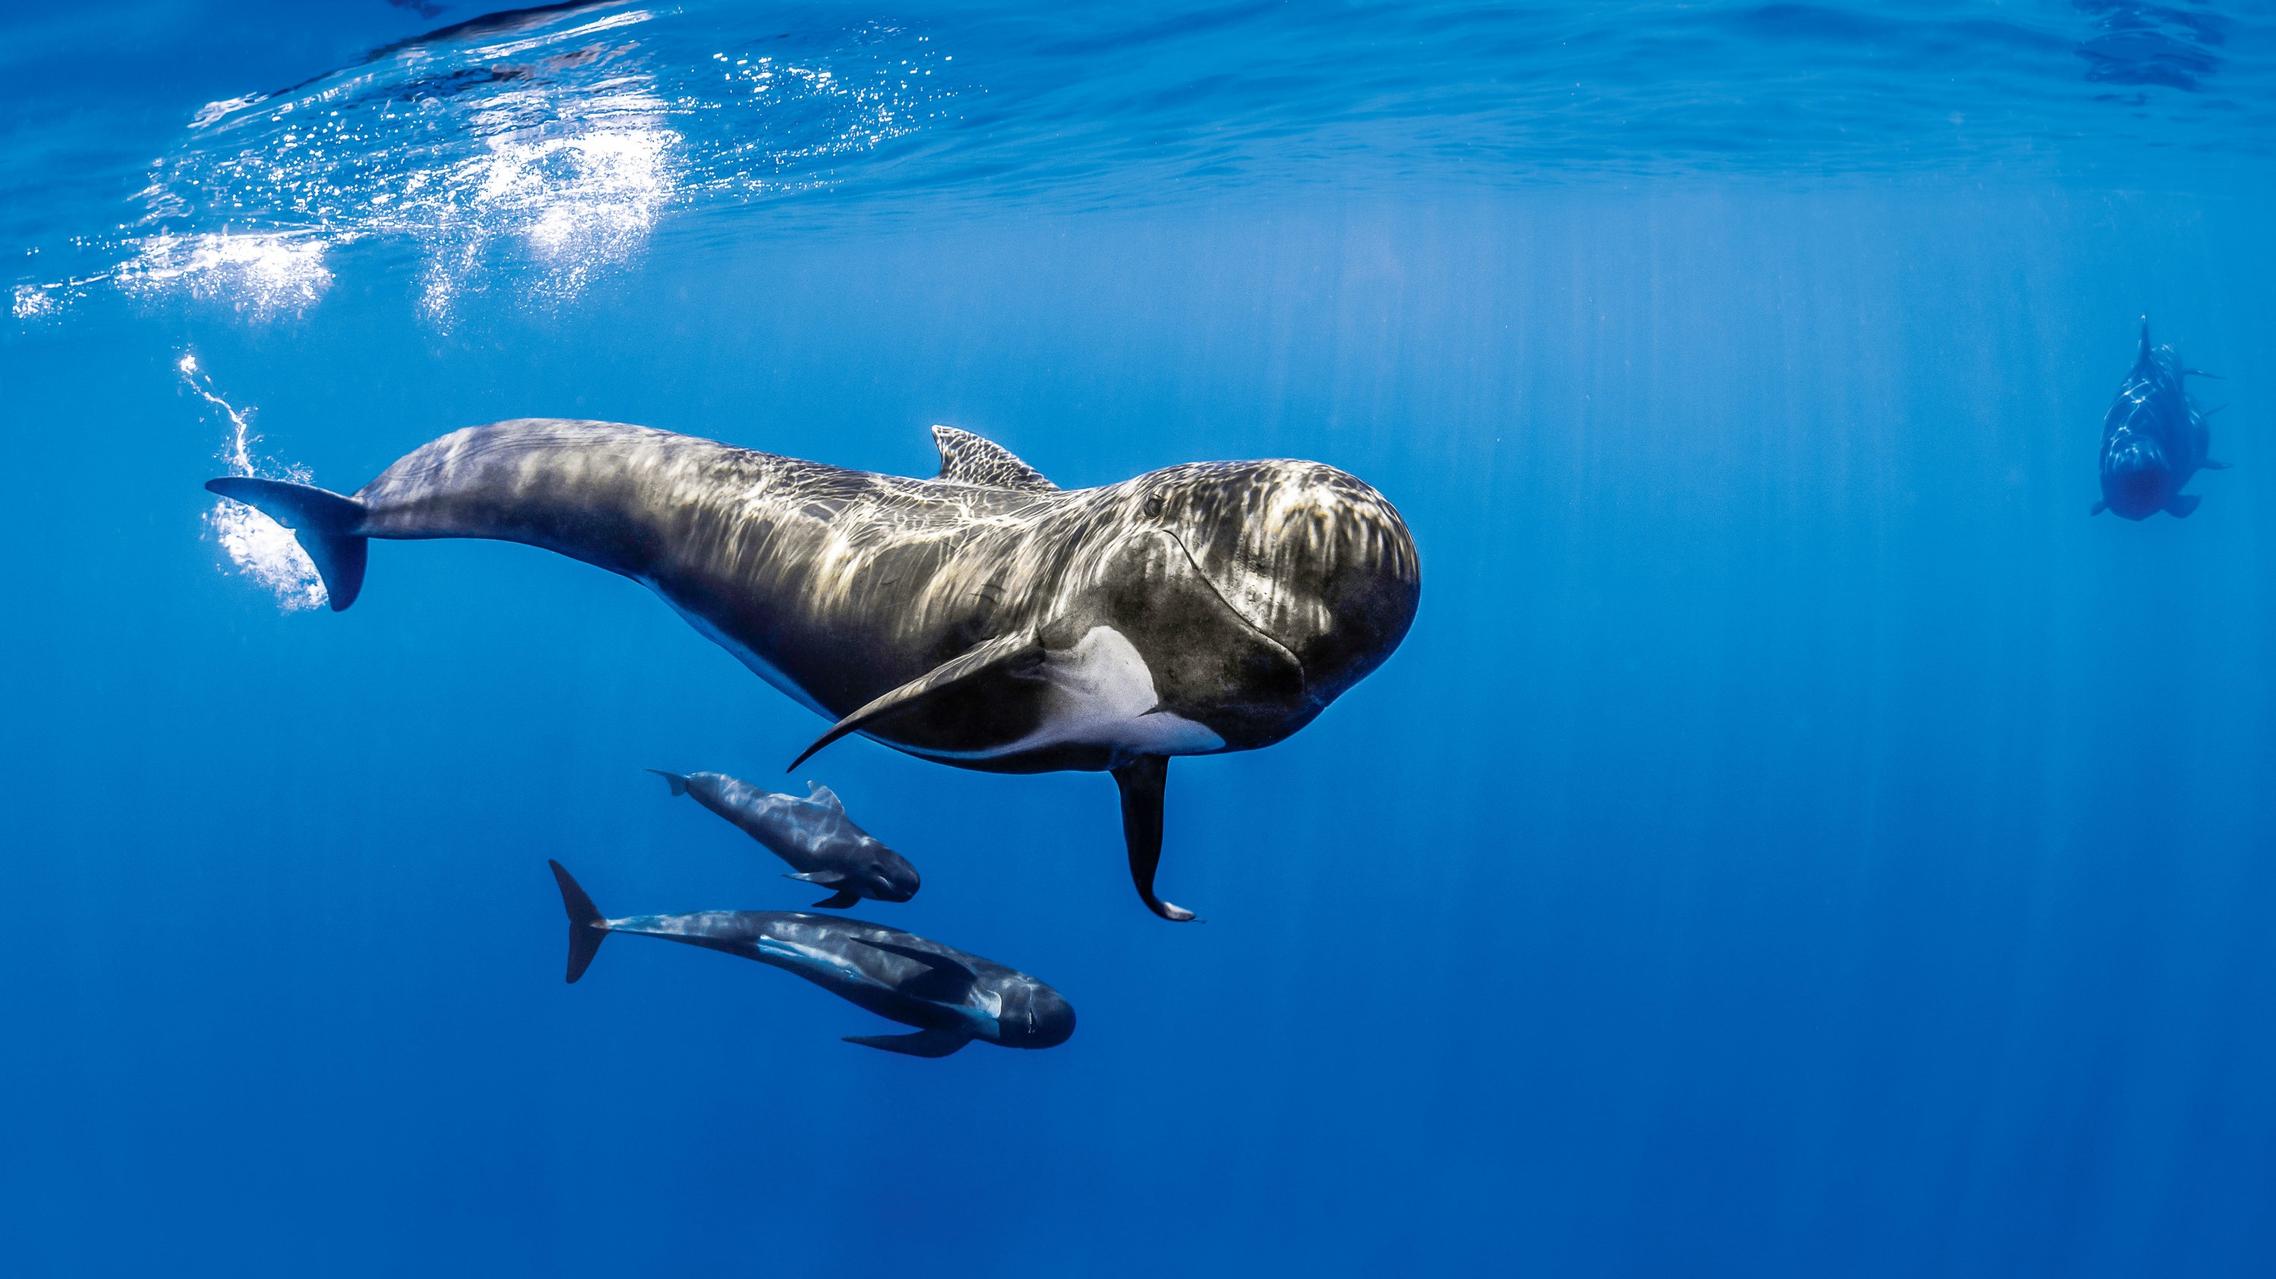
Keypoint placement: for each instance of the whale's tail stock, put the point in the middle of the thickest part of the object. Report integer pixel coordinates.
(325, 522)
(587, 930)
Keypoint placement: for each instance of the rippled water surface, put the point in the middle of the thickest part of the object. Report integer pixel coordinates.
(555, 140)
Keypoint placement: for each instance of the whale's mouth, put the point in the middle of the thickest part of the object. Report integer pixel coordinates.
(2138, 468)
(1246, 617)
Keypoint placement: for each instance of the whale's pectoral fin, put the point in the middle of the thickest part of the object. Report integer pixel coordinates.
(944, 980)
(1018, 655)
(924, 1043)
(2097, 509)
(965, 458)
(2182, 506)
(323, 522)
(1142, 781)
(838, 900)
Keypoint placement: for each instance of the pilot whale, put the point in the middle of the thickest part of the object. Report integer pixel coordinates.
(951, 997)
(983, 618)
(813, 834)
(2153, 439)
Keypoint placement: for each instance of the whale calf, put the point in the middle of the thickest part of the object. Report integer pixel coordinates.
(983, 618)
(951, 997)
(2153, 439)
(813, 834)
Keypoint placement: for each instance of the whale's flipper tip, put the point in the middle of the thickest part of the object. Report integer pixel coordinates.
(1143, 782)
(587, 930)
(677, 781)
(2183, 506)
(324, 522)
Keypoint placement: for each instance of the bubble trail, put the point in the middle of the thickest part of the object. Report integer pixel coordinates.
(258, 546)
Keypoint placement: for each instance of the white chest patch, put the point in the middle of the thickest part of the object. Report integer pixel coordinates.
(1101, 691)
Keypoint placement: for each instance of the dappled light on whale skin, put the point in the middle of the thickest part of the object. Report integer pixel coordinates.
(951, 996)
(811, 833)
(2154, 438)
(983, 618)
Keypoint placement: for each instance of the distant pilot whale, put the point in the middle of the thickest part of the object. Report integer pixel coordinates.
(951, 997)
(2153, 439)
(985, 618)
(813, 834)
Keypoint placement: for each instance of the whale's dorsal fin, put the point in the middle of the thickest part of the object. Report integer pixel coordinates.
(817, 793)
(1019, 654)
(965, 458)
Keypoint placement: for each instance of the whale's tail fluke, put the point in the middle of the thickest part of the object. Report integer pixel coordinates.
(587, 930)
(677, 781)
(325, 522)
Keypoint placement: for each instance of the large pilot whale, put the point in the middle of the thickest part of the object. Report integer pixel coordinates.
(952, 997)
(983, 618)
(2153, 438)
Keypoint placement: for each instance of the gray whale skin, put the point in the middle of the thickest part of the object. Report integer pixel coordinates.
(950, 996)
(983, 618)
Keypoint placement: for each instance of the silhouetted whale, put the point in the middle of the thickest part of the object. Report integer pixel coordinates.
(2153, 439)
(984, 618)
(951, 997)
(813, 834)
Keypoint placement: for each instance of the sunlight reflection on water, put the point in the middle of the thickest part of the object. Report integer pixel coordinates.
(538, 147)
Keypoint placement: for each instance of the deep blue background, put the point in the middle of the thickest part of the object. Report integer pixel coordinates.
(1795, 839)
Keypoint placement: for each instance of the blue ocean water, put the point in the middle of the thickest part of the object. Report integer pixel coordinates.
(1794, 839)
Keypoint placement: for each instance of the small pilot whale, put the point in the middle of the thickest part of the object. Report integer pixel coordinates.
(813, 834)
(2153, 439)
(952, 998)
(985, 618)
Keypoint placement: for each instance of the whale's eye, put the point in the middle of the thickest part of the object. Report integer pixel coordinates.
(1154, 504)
